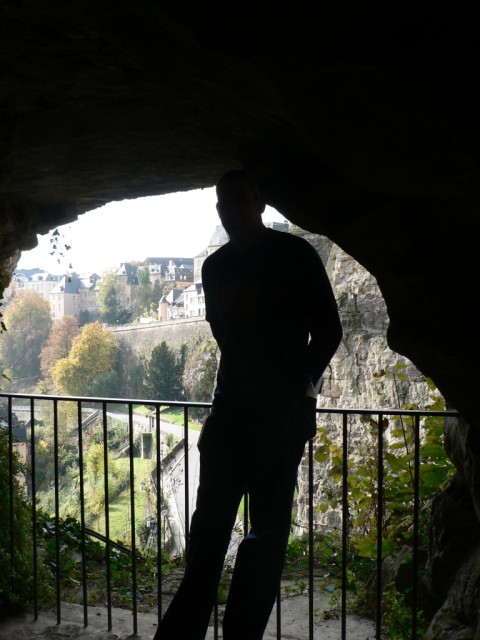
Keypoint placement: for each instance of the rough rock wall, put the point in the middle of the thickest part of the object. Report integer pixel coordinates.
(356, 378)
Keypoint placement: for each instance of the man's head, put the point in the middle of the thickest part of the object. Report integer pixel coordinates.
(239, 205)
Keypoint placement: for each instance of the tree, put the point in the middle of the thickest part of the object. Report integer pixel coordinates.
(84, 317)
(28, 322)
(143, 294)
(164, 373)
(93, 354)
(95, 461)
(111, 309)
(59, 343)
(157, 293)
(130, 369)
(147, 296)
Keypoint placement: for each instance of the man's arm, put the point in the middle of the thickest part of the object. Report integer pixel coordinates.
(211, 312)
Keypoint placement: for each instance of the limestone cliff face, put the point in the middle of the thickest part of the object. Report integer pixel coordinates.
(356, 374)
(356, 378)
(364, 372)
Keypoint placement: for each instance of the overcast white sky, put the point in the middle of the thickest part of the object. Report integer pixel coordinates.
(176, 225)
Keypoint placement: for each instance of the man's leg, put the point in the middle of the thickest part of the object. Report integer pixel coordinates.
(260, 557)
(219, 493)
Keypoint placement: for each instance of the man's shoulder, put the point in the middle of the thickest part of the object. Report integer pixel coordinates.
(219, 253)
(216, 257)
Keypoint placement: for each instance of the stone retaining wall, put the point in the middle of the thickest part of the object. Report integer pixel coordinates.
(143, 337)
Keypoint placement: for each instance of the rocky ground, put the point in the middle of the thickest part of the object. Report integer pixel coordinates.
(294, 615)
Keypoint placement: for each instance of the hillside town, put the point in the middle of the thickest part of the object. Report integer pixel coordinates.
(178, 280)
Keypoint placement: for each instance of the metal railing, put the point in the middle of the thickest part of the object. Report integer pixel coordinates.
(74, 423)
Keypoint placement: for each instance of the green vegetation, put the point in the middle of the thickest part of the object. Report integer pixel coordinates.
(176, 416)
(120, 557)
(112, 307)
(16, 578)
(396, 516)
(119, 503)
(398, 475)
(163, 378)
(147, 296)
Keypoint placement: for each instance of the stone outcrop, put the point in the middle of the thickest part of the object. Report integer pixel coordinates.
(359, 123)
(364, 373)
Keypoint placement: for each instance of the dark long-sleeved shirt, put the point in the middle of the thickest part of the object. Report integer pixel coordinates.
(272, 311)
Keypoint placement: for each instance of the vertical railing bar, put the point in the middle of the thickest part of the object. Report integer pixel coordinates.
(57, 507)
(186, 476)
(107, 516)
(34, 509)
(82, 513)
(132, 519)
(345, 521)
(379, 526)
(416, 506)
(310, 540)
(11, 489)
(159, 513)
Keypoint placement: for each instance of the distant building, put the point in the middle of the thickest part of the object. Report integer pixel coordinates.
(194, 300)
(278, 226)
(127, 279)
(178, 272)
(42, 282)
(67, 295)
(163, 309)
(171, 306)
(75, 294)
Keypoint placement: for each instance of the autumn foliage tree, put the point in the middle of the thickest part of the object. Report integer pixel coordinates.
(93, 354)
(58, 344)
(28, 322)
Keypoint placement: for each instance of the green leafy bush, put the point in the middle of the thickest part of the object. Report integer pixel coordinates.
(395, 516)
(16, 580)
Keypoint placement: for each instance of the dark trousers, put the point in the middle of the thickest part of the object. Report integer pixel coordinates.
(255, 450)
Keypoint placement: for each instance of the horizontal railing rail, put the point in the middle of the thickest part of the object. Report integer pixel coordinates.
(55, 428)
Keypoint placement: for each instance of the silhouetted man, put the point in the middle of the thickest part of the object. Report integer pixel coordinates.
(273, 314)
